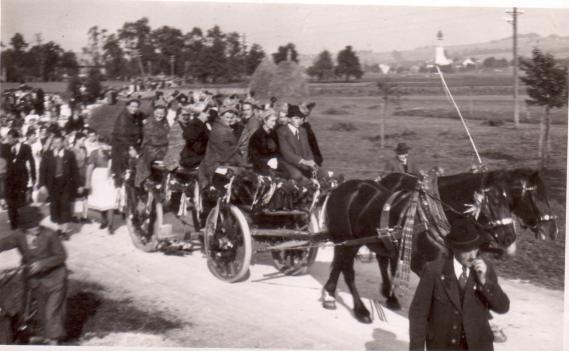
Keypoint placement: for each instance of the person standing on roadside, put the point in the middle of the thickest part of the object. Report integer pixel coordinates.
(455, 294)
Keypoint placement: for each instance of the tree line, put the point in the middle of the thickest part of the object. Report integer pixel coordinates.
(347, 65)
(136, 49)
(41, 62)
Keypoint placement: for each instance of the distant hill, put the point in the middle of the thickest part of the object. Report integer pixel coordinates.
(557, 45)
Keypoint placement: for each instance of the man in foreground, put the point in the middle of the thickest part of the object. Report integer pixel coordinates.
(44, 257)
(455, 294)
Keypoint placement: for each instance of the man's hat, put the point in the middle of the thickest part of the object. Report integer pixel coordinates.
(294, 111)
(402, 148)
(464, 236)
(29, 217)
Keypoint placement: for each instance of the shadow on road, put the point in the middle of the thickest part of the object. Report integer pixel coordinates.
(385, 341)
(90, 313)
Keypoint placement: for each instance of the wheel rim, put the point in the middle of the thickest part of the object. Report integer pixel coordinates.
(229, 246)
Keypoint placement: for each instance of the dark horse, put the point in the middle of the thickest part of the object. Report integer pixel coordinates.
(353, 212)
(525, 192)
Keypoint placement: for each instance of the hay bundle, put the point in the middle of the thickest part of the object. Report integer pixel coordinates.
(285, 81)
(261, 79)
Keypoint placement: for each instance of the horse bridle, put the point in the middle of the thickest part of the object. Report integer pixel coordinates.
(529, 191)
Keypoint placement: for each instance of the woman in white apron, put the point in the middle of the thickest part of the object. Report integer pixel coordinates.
(102, 191)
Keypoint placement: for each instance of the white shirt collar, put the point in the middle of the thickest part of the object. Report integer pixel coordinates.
(458, 268)
(293, 129)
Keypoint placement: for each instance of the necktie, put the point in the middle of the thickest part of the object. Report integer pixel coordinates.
(462, 279)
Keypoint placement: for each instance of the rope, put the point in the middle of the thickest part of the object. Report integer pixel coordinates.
(447, 90)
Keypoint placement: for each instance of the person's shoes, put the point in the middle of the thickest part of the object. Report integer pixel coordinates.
(111, 230)
(499, 335)
(103, 225)
(85, 221)
(75, 220)
(63, 235)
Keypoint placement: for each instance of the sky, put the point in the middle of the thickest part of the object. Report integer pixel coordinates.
(311, 27)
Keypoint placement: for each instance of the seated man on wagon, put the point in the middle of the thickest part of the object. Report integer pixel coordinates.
(297, 156)
(222, 147)
(196, 134)
(401, 163)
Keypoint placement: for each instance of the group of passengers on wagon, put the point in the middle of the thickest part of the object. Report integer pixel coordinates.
(228, 132)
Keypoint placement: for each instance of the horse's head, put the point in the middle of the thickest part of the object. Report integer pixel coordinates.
(494, 213)
(531, 205)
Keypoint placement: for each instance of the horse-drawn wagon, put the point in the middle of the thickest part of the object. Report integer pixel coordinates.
(240, 214)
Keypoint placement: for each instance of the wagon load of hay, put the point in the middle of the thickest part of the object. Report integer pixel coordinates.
(284, 81)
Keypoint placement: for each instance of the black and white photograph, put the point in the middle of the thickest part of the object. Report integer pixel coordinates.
(309, 175)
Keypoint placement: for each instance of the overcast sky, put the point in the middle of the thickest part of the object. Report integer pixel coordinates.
(312, 27)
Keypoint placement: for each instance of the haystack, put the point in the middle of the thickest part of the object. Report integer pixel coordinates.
(286, 82)
(261, 79)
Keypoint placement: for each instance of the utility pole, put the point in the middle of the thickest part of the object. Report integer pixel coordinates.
(39, 42)
(244, 54)
(515, 13)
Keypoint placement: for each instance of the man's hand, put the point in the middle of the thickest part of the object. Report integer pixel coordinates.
(308, 163)
(34, 268)
(273, 163)
(480, 268)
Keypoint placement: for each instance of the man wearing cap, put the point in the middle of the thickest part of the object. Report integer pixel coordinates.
(455, 294)
(401, 162)
(297, 157)
(196, 134)
(44, 257)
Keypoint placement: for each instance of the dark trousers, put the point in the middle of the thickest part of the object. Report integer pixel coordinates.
(52, 308)
(15, 198)
(61, 201)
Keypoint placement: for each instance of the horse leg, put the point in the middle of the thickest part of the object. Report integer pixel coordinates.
(329, 301)
(360, 311)
(383, 263)
(392, 302)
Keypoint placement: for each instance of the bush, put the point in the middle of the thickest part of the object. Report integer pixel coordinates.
(335, 111)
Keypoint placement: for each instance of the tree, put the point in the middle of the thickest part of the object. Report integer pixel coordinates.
(348, 64)
(166, 42)
(18, 43)
(114, 58)
(389, 92)
(254, 58)
(215, 55)
(135, 39)
(286, 52)
(546, 82)
(323, 66)
(96, 38)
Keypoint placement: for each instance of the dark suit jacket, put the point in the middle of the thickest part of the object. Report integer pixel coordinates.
(293, 149)
(70, 171)
(17, 173)
(393, 165)
(437, 316)
(313, 144)
(196, 136)
(263, 146)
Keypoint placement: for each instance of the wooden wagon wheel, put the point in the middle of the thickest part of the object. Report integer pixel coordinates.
(144, 218)
(228, 243)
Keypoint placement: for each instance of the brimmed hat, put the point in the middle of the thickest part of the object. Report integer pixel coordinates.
(29, 217)
(402, 148)
(464, 236)
(294, 111)
(227, 108)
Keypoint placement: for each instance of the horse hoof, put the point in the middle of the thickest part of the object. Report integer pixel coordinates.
(364, 319)
(329, 305)
(393, 304)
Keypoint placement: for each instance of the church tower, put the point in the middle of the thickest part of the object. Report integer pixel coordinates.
(440, 57)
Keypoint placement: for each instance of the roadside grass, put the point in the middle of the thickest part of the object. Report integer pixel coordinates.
(92, 313)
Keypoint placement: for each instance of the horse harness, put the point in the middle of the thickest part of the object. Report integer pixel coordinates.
(529, 192)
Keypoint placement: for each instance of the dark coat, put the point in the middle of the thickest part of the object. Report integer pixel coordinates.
(263, 146)
(393, 165)
(70, 172)
(251, 126)
(313, 144)
(17, 165)
(154, 146)
(127, 132)
(74, 124)
(196, 136)
(221, 149)
(437, 317)
(50, 282)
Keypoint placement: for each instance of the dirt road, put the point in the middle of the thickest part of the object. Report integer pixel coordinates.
(267, 310)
